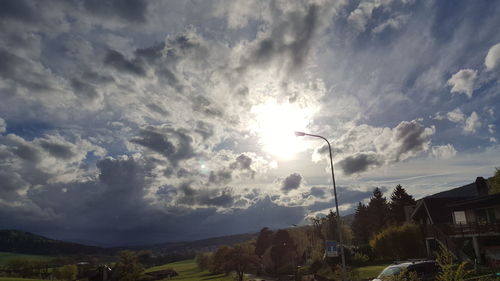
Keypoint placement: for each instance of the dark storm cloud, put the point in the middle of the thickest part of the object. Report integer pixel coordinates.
(84, 89)
(57, 150)
(24, 73)
(206, 130)
(243, 163)
(175, 145)
(359, 163)
(412, 137)
(206, 197)
(119, 62)
(220, 177)
(263, 213)
(18, 10)
(291, 182)
(317, 192)
(129, 10)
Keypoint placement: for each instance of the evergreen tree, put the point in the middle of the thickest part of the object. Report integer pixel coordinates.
(400, 199)
(378, 212)
(360, 223)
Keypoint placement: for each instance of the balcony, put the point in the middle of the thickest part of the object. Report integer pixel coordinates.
(464, 230)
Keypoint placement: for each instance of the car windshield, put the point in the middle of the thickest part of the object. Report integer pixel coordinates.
(391, 270)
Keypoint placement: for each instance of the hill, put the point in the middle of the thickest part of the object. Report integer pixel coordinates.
(204, 245)
(16, 241)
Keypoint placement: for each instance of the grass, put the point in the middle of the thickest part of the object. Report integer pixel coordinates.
(371, 271)
(6, 256)
(189, 271)
(19, 279)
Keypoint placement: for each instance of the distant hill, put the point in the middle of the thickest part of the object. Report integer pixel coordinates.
(204, 245)
(16, 241)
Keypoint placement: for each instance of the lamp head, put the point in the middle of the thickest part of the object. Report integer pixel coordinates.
(300, 134)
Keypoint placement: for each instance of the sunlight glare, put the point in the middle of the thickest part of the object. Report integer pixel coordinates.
(275, 125)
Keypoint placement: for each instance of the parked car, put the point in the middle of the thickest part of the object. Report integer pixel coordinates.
(426, 270)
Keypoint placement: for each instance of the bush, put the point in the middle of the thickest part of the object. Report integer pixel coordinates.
(66, 273)
(360, 259)
(450, 271)
(398, 242)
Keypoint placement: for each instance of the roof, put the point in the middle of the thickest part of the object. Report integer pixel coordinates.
(468, 190)
(478, 202)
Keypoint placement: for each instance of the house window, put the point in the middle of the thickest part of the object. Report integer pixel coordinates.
(459, 217)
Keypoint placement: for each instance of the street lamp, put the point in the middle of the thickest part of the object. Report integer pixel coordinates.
(301, 134)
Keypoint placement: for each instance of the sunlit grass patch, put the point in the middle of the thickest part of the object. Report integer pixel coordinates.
(189, 271)
(6, 256)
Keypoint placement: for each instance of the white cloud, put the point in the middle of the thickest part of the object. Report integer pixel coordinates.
(472, 123)
(463, 81)
(492, 59)
(443, 151)
(361, 15)
(491, 128)
(394, 23)
(456, 115)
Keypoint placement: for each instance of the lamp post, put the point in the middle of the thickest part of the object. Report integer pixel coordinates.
(301, 134)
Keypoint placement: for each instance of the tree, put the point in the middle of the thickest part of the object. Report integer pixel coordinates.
(400, 199)
(360, 224)
(378, 212)
(145, 257)
(264, 241)
(203, 260)
(241, 259)
(283, 251)
(494, 182)
(127, 268)
(218, 263)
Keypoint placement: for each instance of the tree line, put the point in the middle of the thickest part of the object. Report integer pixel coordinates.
(301, 250)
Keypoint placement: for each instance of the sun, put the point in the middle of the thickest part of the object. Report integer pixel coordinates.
(275, 123)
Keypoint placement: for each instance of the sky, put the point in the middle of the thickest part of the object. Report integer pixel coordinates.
(136, 122)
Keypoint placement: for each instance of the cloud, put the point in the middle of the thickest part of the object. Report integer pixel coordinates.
(492, 59)
(362, 14)
(3, 125)
(365, 147)
(127, 10)
(175, 145)
(456, 115)
(491, 128)
(359, 163)
(472, 123)
(443, 151)
(119, 62)
(291, 182)
(392, 23)
(463, 81)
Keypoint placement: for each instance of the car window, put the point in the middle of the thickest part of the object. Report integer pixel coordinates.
(391, 270)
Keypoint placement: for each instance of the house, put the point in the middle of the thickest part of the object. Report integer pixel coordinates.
(464, 220)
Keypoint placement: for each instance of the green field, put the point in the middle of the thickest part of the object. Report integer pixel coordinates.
(371, 271)
(188, 271)
(6, 256)
(18, 279)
